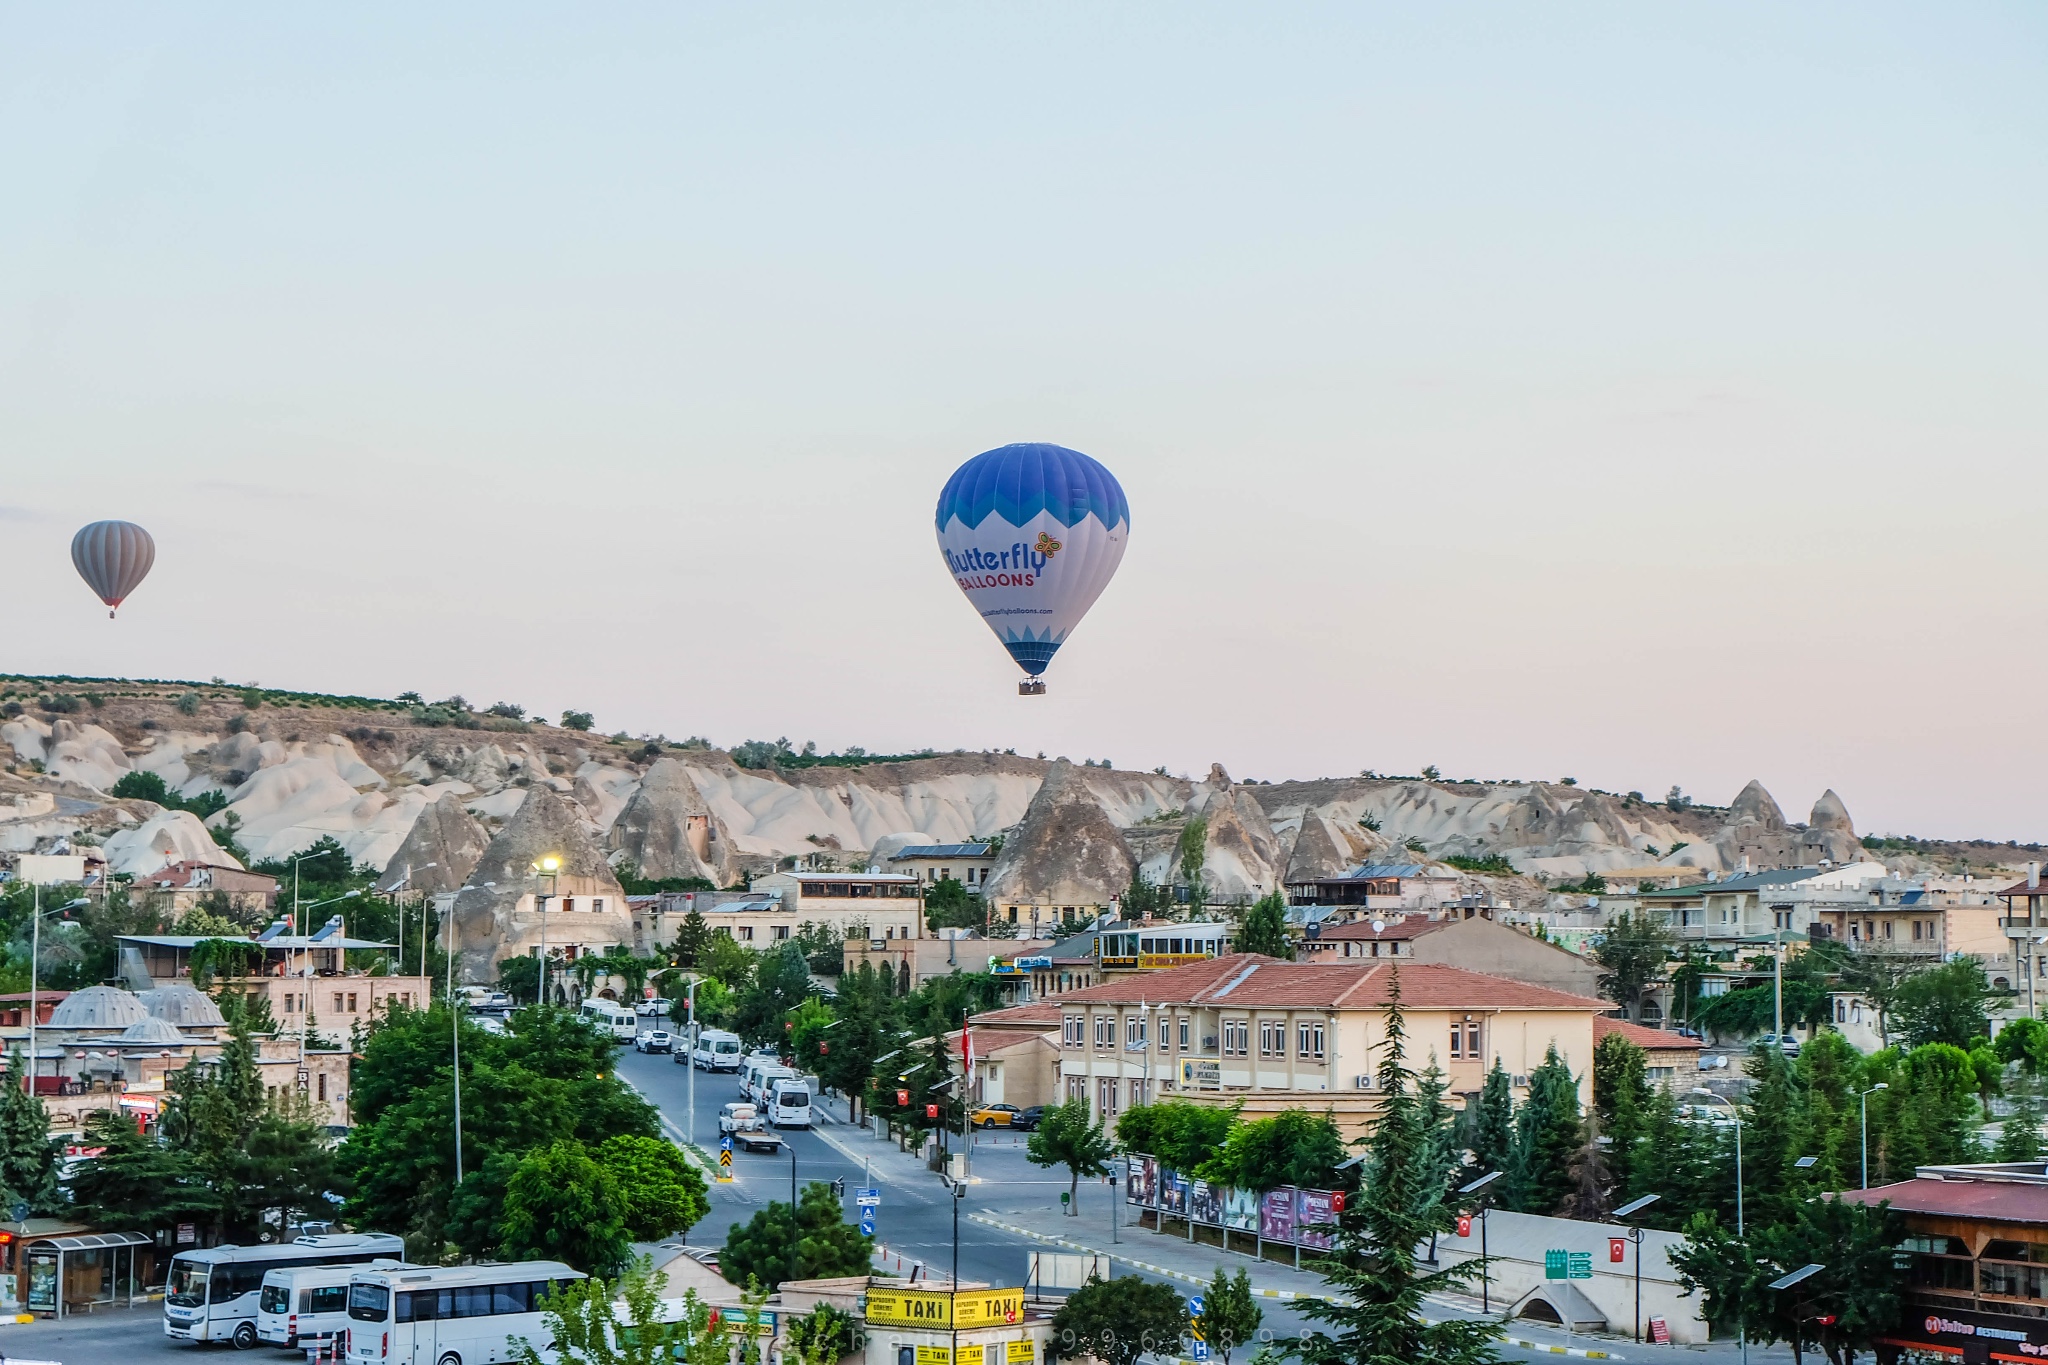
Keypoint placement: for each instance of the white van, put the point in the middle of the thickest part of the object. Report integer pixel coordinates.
(758, 1078)
(789, 1103)
(611, 1016)
(458, 1315)
(305, 1304)
(716, 1050)
(210, 1295)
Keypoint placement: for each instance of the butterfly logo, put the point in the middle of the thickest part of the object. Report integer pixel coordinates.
(1047, 546)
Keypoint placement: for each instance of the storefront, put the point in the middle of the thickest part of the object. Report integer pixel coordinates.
(56, 1270)
(908, 1326)
(1975, 1259)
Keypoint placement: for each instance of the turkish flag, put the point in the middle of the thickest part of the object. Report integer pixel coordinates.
(1617, 1249)
(1464, 1225)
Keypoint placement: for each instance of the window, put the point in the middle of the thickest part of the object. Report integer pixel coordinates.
(1183, 1033)
(597, 905)
(321, 1083)
(1077, 1087)
(1165, 1032)
(351, 1002)
(747, 933)
(568, 905)
(1105, 1097)
(781, 931)
(337, 1002)
(1308, 1041)
(1138, 1091)
(1073, 1032)
(1236, 1037)
(1134, 1030)
(1465, 1039)
(1272, 1038)
(331, 1298)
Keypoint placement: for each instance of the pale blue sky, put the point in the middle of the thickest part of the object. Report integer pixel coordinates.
(1643, 394)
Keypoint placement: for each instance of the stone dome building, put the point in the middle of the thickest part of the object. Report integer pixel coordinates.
(100, 1008)
(153, 1032)
(183, 1005)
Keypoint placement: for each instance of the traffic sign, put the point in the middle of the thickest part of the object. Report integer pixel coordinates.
(725, 1143)
(1196, 1306)
(867, 1199)
(725, 1156)
(1199, 1349)
(867, 1222)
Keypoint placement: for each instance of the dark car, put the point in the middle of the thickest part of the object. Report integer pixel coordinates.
(1024, 1120)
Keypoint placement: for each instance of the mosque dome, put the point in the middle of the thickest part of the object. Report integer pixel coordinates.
(98, 1007)
(184, 1005)
(154, 1032)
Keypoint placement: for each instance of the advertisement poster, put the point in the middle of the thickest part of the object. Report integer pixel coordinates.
(1314, 1219)
(1143, 1185)
(1276, 1215)
(1241, 1210)
(1205, 1202)
(1173, 1192)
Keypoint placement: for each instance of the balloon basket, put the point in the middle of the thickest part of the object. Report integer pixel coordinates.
(1031, 687)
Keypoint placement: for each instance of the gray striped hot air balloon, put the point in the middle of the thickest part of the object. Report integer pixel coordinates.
(113, 557)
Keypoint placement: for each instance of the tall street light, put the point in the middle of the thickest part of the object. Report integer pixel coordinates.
(548, 870)
(1863, 1102)
(1787, 1281)
(1478, 1187)
(35, 957)
(306, 973)
(1635, 1234)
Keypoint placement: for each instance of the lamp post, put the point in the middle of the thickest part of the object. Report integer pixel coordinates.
(306, 972)
(35, 954)
(455, 1037)
(297, 925)
(690, 998)
(1863, 1103)
(396, 892)
(547, 870)
(1478, 1187)
(1635, 1235)
(1786, 1281)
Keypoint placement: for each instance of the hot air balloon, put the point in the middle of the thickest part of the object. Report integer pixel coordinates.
(1032, 534)
(113, 557)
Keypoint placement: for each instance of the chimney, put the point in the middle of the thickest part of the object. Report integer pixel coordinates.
(2033, 876)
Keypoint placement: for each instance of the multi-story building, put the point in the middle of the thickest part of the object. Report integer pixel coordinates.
(968, 864)
(1478, 944)
(914, 961)
(1155, 945)
(1380, 887)
(1270, 1035)
(1068, 965)
(890, 904)
(1753, 908)
(178, 887)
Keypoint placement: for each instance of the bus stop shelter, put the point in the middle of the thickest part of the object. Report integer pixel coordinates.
(66, 1270)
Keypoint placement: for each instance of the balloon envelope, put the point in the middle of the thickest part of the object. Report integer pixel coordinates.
(1032, 534)
(113, 557)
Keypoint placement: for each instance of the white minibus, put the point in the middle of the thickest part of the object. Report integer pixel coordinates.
(463, 1315)
(306, 1303)
(716, 1050)
(758, 1077)
(789, 1103)
(610, 1016)
(211, 1295)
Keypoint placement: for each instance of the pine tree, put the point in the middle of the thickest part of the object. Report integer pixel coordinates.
(1621, 1095)
(1548, 1136)
(1264, 928)
(691, 937)
(28, 1160)
(2020, 1138)
(1493, 1128)
(1375, 1314)
(1776, 1137)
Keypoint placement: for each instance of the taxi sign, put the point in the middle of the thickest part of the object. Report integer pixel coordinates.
(934, 1308)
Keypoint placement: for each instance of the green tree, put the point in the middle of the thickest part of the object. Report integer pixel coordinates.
(2020, 1138)
(821, 1244)
(867, 1028)
(665, 1194)
(728, 963)
(519, 977)
(560, 1205)
(1548, 1136)
(1933, 1115)
(1880, 978)
(1403, 1202)
(1116, 1321)
(1231, 1316)
(1688, 1162)
(1621, 1098)
(1944, 1004)
(1067, 1136)
(28, 1159)
(692, 939)
(1142, 898)
(1264, 928)
(1293, 1147)
(950, 905)
(1493, 1124)
(1192, 849)
(1180, 1133)
(586, 1328)
(2024, 1040)
(1858, 1288)
(781, 983)
(1632, 952)
(136, 1181)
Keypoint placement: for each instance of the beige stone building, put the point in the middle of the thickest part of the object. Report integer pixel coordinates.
(890, 904)
(968, 864)
(1272, 1035)
(1477, 944)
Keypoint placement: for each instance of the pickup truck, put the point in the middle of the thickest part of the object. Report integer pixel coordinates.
(757, 1140)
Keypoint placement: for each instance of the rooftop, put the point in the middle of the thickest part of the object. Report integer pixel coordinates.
(1370, 871)
(1748, 881)
(1251, 979)
(941, 851)
(1648, 1039)
(2015, 1192)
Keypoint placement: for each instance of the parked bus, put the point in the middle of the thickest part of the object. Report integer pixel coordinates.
(758, 1077)
(464, 1315)
(610, 1016)
(306, 1304)
(789, 1103)
(716, 1050)
(211, 1295)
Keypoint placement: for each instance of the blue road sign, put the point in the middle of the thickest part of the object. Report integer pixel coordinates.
(725, 1143)
(1196, 1306)
(867, 1222)
(867, 1199)
(1200, 1349)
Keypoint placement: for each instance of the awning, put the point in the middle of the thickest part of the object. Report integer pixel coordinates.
(92, 1240)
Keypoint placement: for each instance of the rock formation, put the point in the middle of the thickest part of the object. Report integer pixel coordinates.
(1241, 857)
(1066, 851)
(1830, 834)
(667, 829)
(441, 849)
(174, 836)
(495, 916)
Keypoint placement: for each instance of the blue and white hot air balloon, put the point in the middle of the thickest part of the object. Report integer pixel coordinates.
(1032, 533)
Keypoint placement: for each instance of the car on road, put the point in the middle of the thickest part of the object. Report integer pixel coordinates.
(1788, 1044)
(736, 1116)
(995, 1116)
(658, 1008)
(1027, 1119)
(654, 1040)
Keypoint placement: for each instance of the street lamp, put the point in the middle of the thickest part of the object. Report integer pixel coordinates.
(1863, 1103)
(403, 882)
(547, 870)
(1478, 1187)
(306, 972)
(297, 924)
(1786, 1281)
(1635, 1234)
(35, 954)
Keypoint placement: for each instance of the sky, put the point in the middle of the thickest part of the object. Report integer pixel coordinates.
(1649, 395)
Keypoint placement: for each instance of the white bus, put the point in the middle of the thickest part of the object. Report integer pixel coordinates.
(758, 1077)
(789, 1103)
(465, 1315)
(211, 1295)
(306, 1303)
(716, 1050)
(610, 1016)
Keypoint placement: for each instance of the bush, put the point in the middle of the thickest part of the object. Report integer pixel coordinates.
(508, 710)
(61, 704)
(251, 698)
(577, 720)
(188, 705)
(1492, 864)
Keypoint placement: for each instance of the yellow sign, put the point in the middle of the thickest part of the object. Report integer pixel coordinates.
(970, 1355)
(933, 1355)
(725, 1158)
(931, 1308)
(1021, 1353)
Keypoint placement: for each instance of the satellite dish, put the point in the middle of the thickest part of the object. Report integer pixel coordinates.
(1379, 926)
